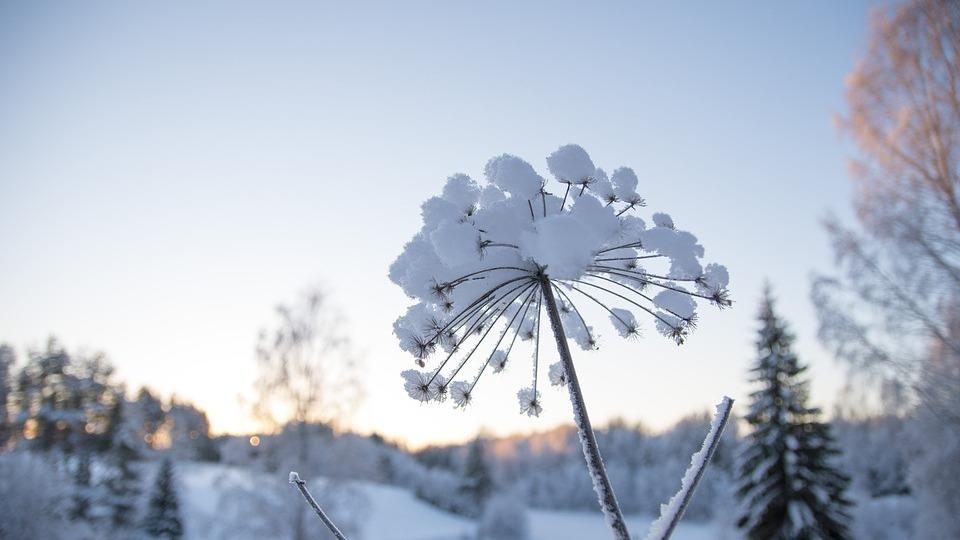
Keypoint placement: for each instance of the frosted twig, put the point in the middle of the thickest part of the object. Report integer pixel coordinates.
(670, 513)
(302, 486)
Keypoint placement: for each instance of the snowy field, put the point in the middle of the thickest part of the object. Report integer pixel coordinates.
(394, 513)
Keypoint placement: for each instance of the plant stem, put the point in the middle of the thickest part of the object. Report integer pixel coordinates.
(302, 486)
(591, 452)
(672, 512)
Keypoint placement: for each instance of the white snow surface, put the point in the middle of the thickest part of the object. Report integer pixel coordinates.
(394, 513)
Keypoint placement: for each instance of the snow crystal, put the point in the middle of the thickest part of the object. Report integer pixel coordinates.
(631, 227)
(558, 375)
(624, 321)
(663, 220)
(597, 220)
(437, 210)
(513, 175)
(677, 303)
(456, 243)
(498, 361)
(571, 164)
(419, 386)
(415, 267)
(491, 195)
(624, 183)
(294, 478)
(529, 402)
(715, 278)
(460, 393)
(561, 244)
(574, 327)
(602, 187)
(461, 191)
(680, 246)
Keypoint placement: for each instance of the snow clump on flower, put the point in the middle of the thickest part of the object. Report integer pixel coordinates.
(479, 264)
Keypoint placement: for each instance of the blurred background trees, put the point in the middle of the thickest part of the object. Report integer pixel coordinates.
(307, 383)
(68, 424)
(893, 312)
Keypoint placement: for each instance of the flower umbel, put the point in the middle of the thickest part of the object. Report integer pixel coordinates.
(478, 266)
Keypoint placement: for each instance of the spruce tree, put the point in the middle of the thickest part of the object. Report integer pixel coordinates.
(81, 500)
(122, 481)
(163, 513)
(788, 487)
(477, 482)
(8, 359)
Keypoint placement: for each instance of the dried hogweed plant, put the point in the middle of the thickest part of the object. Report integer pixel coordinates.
(490, 260)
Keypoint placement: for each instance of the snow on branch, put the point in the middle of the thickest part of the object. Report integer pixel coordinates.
(670, 513)
(302, 486)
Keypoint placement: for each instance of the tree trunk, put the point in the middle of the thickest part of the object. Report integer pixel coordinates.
(591, 452)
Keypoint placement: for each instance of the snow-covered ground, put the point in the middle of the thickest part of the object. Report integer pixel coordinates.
(394, 513)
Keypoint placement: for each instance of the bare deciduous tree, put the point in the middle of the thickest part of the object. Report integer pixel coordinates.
(307, 375)
(307, 371)
(896, 311)
(901, 278)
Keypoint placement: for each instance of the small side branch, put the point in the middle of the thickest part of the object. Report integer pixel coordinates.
(302, 486)
(670, 513)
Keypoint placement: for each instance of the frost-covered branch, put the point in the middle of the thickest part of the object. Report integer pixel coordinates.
(672, 512)
(302, 486)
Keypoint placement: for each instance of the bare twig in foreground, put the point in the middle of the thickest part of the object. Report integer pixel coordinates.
(302, 486)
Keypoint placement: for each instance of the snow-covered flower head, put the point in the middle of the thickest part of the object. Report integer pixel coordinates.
(479, 263)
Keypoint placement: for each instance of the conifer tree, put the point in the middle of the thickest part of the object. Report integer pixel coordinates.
(7, 360)
(788, 487)
(163, 513)
(81, 501)
(42, 398)
(477, 483)
(122, 482)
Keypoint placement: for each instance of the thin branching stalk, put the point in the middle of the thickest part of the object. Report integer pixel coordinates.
(565, 193)
(526, 302)
(644, 308)
(484, 318)
(490, 327)
(302, 486)
(591, 452)
(642, 277)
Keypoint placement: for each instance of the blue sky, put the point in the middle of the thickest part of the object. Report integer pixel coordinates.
(170, 172)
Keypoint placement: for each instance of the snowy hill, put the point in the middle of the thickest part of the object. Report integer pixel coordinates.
(393, 513)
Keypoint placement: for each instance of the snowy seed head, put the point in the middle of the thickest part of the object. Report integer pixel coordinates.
(663, 220)
(498, 361)
(624, 322)
(417, 384)
(460, 393)
(478, 268)
(529, 402)
(558, 375)
(570, 164)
